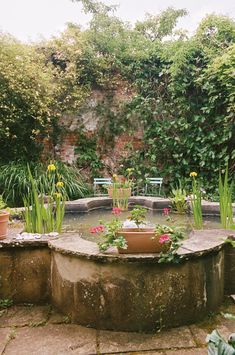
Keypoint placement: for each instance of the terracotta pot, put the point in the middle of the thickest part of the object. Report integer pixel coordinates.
(141, 240)
(4, 218)
(119, 193)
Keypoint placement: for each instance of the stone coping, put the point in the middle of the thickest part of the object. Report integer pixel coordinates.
(199, 243)
(12, 242)
(93, 203)
(154, 203)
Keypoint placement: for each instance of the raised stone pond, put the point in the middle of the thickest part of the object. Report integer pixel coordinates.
(120, 291)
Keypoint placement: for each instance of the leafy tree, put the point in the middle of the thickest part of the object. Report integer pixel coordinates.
(63, 52)
(216, 33)
(26, 100)
(96, 7)
(156, 27)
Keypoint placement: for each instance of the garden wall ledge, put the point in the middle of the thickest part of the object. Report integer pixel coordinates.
(199, 243)
(92, 203)
(12, 242)
(154, 203)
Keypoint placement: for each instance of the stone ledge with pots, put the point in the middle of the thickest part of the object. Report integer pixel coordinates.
(200, 243)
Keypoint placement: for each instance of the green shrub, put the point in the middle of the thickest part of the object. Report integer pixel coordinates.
(27, 104)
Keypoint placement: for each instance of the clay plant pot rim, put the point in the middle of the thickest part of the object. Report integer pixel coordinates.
(119, 188)
(4, 213)
(136, 230)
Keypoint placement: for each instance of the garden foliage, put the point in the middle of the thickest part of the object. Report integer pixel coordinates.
(180, 91)
(26, 100)
(15, 181)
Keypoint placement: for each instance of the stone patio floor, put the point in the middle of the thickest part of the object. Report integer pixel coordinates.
(41, 330)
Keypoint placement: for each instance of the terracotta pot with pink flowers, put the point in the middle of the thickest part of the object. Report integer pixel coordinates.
(140, 239)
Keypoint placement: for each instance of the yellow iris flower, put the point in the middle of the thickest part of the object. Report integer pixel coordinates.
(193, 174)
(60, 184)
(51, 167)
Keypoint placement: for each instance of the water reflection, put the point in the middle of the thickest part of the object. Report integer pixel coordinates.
(82, 222)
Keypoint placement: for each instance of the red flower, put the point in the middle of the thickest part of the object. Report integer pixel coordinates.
(116, 210)
(166, 211)
(97, 229)
(164, 238)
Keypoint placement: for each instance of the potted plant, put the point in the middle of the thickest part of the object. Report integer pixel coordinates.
(4, 218)
(142, 239)
(120, 190)
(139, 239)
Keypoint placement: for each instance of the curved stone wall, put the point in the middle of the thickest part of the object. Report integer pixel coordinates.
(135, 292)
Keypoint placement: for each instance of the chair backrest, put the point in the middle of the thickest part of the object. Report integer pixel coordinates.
(154, 181)
(102, 181)
(98, 183)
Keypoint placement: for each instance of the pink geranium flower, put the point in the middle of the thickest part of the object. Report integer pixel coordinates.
(166, 211)
(97, 229)
(116, 210)
(164, 238)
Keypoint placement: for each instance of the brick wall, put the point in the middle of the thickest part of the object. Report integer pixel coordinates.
(65, 148)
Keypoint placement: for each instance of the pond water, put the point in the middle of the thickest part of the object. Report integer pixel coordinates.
(82, 222)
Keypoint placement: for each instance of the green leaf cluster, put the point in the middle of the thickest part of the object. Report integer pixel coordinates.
(14, 180)
(26, 100)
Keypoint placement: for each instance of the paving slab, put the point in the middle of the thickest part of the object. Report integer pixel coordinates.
(53, 340)
(199, 335)
(111, 342)
(154, 352)
(197, 351)
(5, 334)
(58, 318)
(20, 316)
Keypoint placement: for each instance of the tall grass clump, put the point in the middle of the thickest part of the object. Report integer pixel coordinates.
(196, 201)
(15, 182)
(41, 217)
(225, 200)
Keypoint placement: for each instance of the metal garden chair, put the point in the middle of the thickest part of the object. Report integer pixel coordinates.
(153, 184)
(99, 182)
